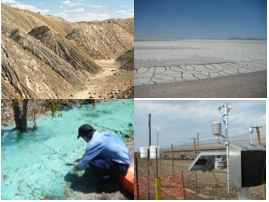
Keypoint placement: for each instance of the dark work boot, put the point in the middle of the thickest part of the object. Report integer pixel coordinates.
(107, 184)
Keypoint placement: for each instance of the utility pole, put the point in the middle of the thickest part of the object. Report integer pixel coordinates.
(158, 179)
(226, 108)
(195, 150)
(136, 178)
(149, 124)
(194, 147)
(157, 134)
(198, 141)
(172, 158)
(149, 129)
(258, 135)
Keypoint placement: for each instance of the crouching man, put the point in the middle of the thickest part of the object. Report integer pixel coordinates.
(106, 155)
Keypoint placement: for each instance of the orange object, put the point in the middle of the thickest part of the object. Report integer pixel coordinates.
(127, 181)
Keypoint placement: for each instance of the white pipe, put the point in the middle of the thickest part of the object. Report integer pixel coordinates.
(226, 109)
(250, 137)
(157, 138)
(226, 112)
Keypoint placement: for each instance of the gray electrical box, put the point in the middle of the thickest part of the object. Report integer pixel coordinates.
(247, 165)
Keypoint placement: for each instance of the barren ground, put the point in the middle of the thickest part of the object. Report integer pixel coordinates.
(183, 63)
(250, 85)
(111, 83)
(208, 187)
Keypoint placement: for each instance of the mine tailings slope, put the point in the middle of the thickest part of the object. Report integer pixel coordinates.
(49, 57)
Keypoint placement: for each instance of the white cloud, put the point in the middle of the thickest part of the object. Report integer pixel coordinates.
(125, 13)
(124, 6)
(66, 2)
(24, 6)
(62, 14)
(80, 3)
(120, 11)
(73, 3)
(89, 17)
(30, 8)
(182, 111)
(9, 1)
(180, 120)
(95, 6)
(76, 10)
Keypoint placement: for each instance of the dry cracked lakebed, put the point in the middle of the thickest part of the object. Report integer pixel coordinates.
(185, 60)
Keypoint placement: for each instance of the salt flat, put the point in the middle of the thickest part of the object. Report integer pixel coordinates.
(183, 60)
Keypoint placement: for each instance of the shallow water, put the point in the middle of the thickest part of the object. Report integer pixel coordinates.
(33, 163)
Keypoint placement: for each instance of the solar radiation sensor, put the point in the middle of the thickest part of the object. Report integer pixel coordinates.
(205, 161)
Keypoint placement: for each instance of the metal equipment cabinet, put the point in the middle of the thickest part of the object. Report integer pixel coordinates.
(247, 165)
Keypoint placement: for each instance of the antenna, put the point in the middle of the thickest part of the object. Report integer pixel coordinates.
(157, 134)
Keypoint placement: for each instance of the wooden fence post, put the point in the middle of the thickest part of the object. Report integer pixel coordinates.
(136, 178)
(172, 157)
(158, 179)
(183, 185)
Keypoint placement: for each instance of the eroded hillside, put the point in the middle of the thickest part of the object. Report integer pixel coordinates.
(49, 57)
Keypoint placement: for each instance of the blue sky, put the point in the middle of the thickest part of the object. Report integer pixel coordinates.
(200, 18)
(178, 121)
(78, 10)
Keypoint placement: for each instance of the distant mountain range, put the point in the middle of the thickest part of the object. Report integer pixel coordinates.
(186, 38)
(47, 56)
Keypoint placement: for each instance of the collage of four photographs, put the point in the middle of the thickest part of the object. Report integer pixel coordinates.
(133, 99)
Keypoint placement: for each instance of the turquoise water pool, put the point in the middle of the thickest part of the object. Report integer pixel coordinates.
(33, 163)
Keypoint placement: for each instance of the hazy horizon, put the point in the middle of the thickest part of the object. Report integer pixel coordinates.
(201, 38)
(191, 19)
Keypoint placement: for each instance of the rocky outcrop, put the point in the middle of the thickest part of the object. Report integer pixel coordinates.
(127, 24)
(104, 40)
(60, 66)
(25, 76)
(127, 60)
(64, 49)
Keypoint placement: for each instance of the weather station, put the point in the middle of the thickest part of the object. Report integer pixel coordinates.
(245, 163)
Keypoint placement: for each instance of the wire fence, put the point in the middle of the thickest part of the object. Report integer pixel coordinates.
(207, 143)
(152, 183)
(168, 178)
